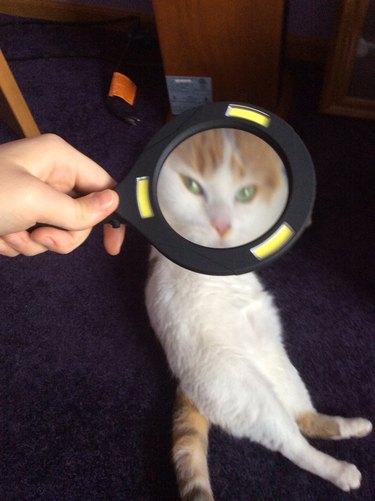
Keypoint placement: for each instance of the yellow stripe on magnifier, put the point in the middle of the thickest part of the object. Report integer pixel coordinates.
(274, 242)
(248, 114)
(143, 198)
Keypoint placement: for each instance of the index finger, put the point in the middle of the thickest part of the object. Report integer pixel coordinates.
(53, 160)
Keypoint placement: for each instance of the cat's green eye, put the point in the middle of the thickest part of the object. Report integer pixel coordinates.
(192, 185)
(246, 194)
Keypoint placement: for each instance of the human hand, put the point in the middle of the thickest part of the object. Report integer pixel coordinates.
(36, 177)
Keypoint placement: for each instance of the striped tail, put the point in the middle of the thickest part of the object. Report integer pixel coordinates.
(190, 444)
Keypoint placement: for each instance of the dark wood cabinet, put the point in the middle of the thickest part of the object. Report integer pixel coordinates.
(238, 43)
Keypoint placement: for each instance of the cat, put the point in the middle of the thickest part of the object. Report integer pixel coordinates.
(222, 335)
(220, 218)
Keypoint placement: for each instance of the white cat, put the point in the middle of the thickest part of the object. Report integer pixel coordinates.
(222, 335)
(226, 202)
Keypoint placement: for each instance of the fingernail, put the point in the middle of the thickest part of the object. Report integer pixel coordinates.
(103, 199)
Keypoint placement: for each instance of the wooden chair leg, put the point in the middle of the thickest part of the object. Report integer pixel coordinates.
(13, 107)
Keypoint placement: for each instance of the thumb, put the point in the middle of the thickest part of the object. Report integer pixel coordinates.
(83, 212)
(94, 207)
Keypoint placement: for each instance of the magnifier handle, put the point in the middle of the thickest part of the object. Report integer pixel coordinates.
(114, 219)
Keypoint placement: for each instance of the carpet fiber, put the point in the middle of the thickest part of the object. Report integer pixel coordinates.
(86, 394)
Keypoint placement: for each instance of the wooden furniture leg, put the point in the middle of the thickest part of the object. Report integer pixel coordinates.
(13, 107)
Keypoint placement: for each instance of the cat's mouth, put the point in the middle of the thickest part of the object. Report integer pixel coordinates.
(221, 245)
(214, 243)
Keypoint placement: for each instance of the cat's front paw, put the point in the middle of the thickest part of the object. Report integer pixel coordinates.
(347, 476)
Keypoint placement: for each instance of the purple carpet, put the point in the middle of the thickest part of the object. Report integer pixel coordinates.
(86, 394)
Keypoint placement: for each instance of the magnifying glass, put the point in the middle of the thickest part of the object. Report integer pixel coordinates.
(222, 189)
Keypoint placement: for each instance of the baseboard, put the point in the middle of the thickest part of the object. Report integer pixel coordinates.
(69, 12)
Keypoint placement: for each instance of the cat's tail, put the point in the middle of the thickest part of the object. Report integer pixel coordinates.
(190, 443)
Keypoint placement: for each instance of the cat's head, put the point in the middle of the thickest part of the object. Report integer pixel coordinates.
(222, 188)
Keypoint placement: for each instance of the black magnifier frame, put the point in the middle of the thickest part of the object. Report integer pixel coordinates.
(139, 205)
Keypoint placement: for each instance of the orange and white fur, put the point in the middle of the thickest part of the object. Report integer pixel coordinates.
(222, 335)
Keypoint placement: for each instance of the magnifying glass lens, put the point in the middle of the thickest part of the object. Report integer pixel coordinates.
(222, 188)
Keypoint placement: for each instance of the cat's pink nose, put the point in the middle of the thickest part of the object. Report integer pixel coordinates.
(222, 227)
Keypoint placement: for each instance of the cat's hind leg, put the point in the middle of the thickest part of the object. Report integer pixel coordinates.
(316, 425)
(291, 443)
(295, 397)
(344, 475)
(254, 410)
